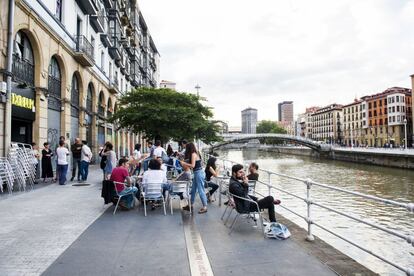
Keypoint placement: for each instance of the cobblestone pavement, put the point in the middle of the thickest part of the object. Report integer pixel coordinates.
(37, 226)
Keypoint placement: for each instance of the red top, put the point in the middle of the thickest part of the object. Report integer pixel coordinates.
(119, 174)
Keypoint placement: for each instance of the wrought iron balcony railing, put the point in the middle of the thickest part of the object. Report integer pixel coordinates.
(84, 46)
(23, 70)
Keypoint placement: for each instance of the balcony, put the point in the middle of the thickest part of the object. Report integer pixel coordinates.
(113, 86)
(114, 49)
(98, 21)
(84, 51)
(106, 40)
(108, 4)
(23, 70)
(88, 6)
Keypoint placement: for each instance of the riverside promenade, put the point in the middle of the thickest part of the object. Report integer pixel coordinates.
(66, 230)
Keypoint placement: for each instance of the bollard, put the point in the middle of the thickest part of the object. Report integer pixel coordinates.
(308, 183)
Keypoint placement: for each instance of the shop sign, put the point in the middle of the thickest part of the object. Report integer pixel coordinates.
(23, 103)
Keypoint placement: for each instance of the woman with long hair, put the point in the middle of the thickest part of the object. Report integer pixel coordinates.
(211, 171)
(193, 161)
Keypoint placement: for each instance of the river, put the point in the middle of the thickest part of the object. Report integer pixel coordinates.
(390, 183)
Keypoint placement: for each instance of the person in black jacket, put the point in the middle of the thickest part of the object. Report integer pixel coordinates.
(239, 186)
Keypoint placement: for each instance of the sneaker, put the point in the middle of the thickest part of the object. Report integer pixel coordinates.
(203, 210)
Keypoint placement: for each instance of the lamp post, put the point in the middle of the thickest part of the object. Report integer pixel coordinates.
(197, 87)
(405, 131)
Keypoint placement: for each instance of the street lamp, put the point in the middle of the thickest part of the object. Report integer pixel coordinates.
(197, 87)
(405, 131)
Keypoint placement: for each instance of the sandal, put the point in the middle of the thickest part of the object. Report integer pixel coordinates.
(203, 210)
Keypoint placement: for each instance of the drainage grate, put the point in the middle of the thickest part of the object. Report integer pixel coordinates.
(81, 184)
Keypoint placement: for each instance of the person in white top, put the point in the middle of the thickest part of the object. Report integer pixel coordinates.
(158, 151)
(155, 175)
(86, 157)
(62, 163)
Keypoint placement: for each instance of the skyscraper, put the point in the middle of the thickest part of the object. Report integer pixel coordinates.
(285, 111)
(249, 120)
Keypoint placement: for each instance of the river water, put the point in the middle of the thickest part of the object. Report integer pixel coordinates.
(390, 183)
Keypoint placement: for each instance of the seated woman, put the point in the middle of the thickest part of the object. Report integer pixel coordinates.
(155, 175)
(120, 174)
(211, 171)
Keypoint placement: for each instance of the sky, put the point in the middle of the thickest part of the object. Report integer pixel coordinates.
(259, 53)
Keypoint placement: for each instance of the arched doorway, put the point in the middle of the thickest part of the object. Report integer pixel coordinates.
(74, 107)
(54, 103)
(23, 95)
(89, 114)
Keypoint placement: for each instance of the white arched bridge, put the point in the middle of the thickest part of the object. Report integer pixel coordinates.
(235, 138)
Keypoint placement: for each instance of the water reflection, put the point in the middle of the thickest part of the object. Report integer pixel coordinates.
(384, 182)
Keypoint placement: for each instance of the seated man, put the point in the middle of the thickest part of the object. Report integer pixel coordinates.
(239, 186)
(253, 175)
(156, 175)
(120, 174)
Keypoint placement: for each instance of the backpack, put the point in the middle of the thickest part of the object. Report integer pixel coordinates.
(277, 231)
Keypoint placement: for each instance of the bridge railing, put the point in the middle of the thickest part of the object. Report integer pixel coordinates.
(308, 183)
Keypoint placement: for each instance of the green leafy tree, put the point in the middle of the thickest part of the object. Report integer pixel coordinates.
(165, 114)
(266, 126)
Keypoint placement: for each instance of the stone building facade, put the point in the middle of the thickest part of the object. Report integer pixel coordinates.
(71, 61)
(327, 124)
(355, 123)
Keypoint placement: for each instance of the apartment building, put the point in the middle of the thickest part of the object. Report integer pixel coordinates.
(71, 61)
(327, 124)
(389, 116)
(355, 123)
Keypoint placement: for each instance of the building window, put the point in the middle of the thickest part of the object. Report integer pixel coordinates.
(369, 105)
(110, 71)
(93, 47)
(23, 63)
(74, 97)
(375, 103)
(54, 85)
(103, 61)
(89, 99)
(398, 99)
(398, 108)
(59, 10)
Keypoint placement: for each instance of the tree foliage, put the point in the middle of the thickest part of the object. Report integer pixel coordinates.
(165, 114)
(269, 127)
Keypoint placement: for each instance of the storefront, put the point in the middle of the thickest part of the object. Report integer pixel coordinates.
(23, 114)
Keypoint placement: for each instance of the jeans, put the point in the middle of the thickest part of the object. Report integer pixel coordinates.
(213, 187)
(84, 170)
(76, 164)
(128, 194)
(198, 186)
(62, 171)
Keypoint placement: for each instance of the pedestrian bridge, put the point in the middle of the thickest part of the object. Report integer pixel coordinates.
(230, 138)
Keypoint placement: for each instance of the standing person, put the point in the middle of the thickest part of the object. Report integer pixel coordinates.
(76, 149)
(137, 156)
(61, 138)
(110, 160)
(104, 158)
(47, 170)
(36, 160)
(151, 148)
(211, 171)
(193, 160)
(62, 163)
(86, 157)
(170, 151)
(159, 151)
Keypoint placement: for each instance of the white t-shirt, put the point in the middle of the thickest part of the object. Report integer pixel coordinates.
(158, 151)
(137, 154)
(62, 154)
(154, 176)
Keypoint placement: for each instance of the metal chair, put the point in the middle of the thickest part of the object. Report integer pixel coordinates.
(178, 187)
(248, 215)
(118, 194)
(152, 191)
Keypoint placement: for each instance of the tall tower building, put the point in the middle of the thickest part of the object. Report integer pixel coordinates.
(285, 111)
(249, 120)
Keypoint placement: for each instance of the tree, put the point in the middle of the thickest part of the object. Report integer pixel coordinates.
(266, 126)
(165, 114)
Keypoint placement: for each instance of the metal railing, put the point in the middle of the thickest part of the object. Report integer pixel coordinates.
(23, 70)
(84, 46)
(309, 202)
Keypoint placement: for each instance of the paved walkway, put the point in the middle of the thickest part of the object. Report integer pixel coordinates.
(55, 231)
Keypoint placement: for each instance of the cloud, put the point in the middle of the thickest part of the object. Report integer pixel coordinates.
(258, 54)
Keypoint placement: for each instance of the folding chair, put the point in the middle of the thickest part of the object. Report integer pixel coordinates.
(178, 187)
(152, 191)
(248, 215)
(118, 194)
